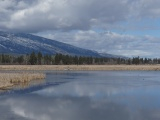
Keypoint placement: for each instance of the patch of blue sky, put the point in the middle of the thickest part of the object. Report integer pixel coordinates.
(141, 27)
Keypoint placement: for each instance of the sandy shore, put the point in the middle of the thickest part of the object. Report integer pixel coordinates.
(80, 67)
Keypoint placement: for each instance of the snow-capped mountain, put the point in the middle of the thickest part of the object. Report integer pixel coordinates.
(21, 43)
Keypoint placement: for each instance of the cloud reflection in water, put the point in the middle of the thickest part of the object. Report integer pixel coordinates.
(65, 108)
(105, 99)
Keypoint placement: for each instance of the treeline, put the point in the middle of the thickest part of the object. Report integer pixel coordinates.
(59, 59)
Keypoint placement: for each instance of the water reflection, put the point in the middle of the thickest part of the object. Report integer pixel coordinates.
(70, 108)
(94, 96)
(65, 108)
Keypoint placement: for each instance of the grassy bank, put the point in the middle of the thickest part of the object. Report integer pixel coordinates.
(80, 67)
(8, 80)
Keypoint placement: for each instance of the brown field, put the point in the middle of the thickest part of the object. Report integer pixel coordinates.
(8, 80)
(80, 67)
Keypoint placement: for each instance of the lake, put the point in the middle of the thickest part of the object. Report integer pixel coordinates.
(86, 95)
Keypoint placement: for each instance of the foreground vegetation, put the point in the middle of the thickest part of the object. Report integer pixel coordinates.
(59, 59)
(8, 80)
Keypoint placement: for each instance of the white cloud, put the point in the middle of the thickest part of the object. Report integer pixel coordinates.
(110, 42)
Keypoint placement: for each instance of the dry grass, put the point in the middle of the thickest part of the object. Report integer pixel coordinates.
(80, 67)
(8, 80)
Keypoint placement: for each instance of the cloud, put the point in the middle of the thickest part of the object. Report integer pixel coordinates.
(110, 42)
(146, 8)
(41, 15)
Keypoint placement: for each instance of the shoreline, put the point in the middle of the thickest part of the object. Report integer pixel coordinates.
(81, 67)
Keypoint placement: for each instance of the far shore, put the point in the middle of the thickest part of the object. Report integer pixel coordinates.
(82, 67)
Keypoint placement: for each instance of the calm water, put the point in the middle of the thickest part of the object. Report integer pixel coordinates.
(105, 95)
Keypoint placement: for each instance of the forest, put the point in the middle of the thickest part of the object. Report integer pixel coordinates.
(60, 59)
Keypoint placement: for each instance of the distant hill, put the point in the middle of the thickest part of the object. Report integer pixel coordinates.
(22, 43)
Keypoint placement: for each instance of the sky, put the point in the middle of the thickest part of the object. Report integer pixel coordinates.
(121, 27)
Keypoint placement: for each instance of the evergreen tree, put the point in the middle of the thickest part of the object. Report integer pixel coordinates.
(33, 59)
(57, 59)
(20, 59)
(75, 61)
(39, 57)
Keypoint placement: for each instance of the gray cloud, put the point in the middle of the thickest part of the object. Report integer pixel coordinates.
(146, 8)
(41, 15)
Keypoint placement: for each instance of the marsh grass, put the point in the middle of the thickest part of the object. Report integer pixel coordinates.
(29, 84)
(8, 80)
